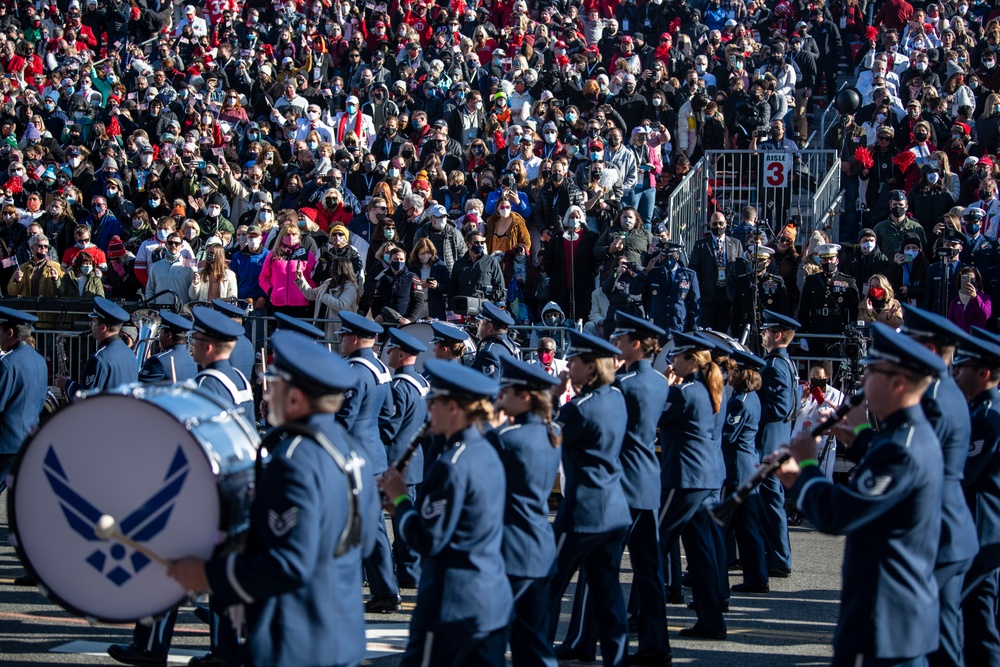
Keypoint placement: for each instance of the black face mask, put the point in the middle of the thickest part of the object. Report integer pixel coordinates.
(818, 382)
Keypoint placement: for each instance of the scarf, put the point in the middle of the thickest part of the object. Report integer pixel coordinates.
(343, 124)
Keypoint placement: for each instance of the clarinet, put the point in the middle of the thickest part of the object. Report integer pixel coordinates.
(721, 513)
(411, 448)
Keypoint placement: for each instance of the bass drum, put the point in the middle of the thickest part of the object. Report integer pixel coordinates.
(172, 465)
(423, 332)
(662, 359)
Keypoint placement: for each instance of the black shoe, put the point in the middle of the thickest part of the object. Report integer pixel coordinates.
(131, 654)
(675, 596)
(735, 566)
(698, 633)
(686, 580)
(383, 604)
(779, 572)
(24, 580)
(207, 660)
(574, 654)
(650, 658)
(203, 613)
(725, 606)
(759, 589)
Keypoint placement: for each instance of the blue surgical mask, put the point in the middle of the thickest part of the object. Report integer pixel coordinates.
(385, 258)
(910, 255)
(570, 118)
(973, 229)
(352, 109)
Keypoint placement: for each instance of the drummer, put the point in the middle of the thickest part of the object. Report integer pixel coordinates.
(114, 363)
(174, 363)
(23, 381)
(300, 577)
(243, 353)
(212, 343)
(449, 342)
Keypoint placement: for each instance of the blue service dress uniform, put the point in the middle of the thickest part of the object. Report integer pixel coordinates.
(113, 364)
(222, 379)
(593, 519)
(162, 367)
(363, 408)
(690, 474)
(530, 465)
(23, 384)
(487, 359)
(946, 409)
(739, 449)
(779, 400)
(303, 604)
(464, 601)
(243, 356)
(980, 252)
(890, 512)
(671, 298)
(982, 492)
(409, 389)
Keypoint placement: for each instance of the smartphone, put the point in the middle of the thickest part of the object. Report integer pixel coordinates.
(966, 279)
(200, 164)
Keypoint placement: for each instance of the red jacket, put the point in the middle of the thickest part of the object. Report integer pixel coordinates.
(894, 14)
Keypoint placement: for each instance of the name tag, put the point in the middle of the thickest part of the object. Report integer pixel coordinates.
(722, 274)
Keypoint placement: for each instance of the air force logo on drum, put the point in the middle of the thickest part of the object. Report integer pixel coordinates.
(142, 525)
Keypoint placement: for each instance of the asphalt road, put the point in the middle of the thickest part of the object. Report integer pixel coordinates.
(793, 625)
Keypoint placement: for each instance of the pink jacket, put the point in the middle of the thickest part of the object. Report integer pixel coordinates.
(277, 279)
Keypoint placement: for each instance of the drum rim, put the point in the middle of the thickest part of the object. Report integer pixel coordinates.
(12, 519)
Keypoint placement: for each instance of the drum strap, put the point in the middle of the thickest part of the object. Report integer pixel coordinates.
(421, 387)
(240, 396)
(350, 536)
(381, 374)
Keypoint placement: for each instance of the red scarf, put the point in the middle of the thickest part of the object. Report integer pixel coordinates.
(343, 123)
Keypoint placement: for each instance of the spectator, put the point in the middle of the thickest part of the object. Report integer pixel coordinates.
(281, 270)
(569, 262)
(83, 279)
(41, 276)
(434, 276)
(506, 229)
(879, 304)
(170, 277)
(970, 307)
(247, 264)
(214, 280)
(338, 292)
(399, 296)
(83, 244)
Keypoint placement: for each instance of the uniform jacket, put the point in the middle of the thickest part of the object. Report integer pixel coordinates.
(487, 359)
(645, 392)
(932, 294)
(458, 532)
(304, 606)
(739, 438)
(409, 412)
(672, 299)
(235, 388)
(24, 379)
(162, 367)
(690, 454)
(593, 424)
(980, 252)
(982, 473)
(778, 401)
(531, 465)
(890, 512)
(705, 262)
(243, 356)
(112, 365)
(828, 303)
(772, 294)
(366, 405)
(401, 292)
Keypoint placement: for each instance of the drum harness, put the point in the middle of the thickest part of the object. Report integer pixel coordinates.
(350, 536)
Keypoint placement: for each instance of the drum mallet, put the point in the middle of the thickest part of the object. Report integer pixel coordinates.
(107, 529)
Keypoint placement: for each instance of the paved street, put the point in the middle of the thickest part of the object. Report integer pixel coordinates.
(791, 626)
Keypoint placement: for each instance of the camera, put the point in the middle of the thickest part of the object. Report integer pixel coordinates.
(631, 266)
(507, 181)
(762, 133)
(854, 346)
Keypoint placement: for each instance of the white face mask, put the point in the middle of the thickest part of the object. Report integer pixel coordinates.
(75, 162)
(213, 211)
(313, 115)
(868, 246)
(190, 234)
(425, 257)
(162, 234)
(437, 223)
(628, 223)
(146, 160)
(550, 137)
(154, 202)
(253, 242)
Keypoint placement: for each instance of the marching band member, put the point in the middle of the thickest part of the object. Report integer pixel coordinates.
(449, 342)
(243, 354)
(23, 383)
(464, 601)
(212, 344)
(174, 363)
(493, 341)
(114, 363)
(299, 578)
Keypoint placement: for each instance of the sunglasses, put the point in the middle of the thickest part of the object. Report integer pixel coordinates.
(174, 244)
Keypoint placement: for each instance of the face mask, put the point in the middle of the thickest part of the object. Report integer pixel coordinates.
(290, 241)
(210, 256)
(190, 234)
(75, 162)
(145, 160)
(933, 177)
(162, 234)
(910, 255)
(868, 246)
(818, 382)
(425, 257)
(86, 269)
(989, 64)
(898, 211)
(829, 267)
(920, 136)
(881, 118)
(437, 224)
(922, 66)
(82, 244)
(397, 265)
(390, 234)
(719, 231)
(701, 69)
(550, 137)
(313, 145)
(253, 242)
(628, 223)
(614, 140)
(670, 263)
(213, 211)
(913, 113)
(570, 118)
(479, 248)
(973, 229)
(546, 357)
(596, 157)
(352, 109)
(153, 203)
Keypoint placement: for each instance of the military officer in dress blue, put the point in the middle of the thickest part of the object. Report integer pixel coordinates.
(942, 279)
(946, 408)
(977, 372)
(829, 300)
(978, 250)
(464, 601)
(669, 291)
(243, 353)
(493, 341)
(772, 294)
(593, 519)
(174, 363)
(23, 382)
(779, 400)
(691, 472)
(364, 408)
(299, 577)
(890, 510)
(113, 364)
(212, 343)
(528, 447)
(409, 391)
(448, 341)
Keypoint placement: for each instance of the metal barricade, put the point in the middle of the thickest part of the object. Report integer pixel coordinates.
(687, 207)
(784, 186)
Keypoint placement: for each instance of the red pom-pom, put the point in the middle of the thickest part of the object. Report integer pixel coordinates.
(871, 32)
(904, 160)
(114, 129)
(864, 158)
(675, 25)
(15, 184)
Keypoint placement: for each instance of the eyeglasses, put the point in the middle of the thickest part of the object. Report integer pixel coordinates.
(174, 244)
(42, 247)
(884, 138)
